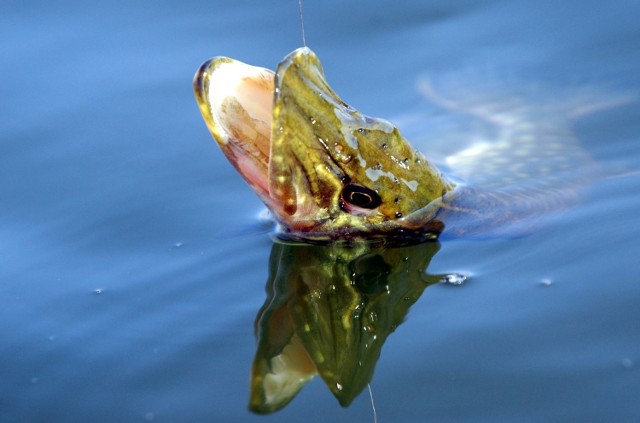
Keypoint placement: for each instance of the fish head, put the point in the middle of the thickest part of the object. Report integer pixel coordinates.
(324, 169)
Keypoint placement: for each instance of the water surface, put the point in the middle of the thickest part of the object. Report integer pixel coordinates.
(133, 266)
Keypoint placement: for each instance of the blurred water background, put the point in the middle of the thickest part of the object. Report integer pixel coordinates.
(132, 266)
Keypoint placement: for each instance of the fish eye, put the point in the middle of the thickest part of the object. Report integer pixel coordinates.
(360, 196)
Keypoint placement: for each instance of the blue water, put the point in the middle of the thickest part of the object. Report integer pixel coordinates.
(132, 265)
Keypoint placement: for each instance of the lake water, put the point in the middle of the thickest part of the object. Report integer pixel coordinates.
(132, 263)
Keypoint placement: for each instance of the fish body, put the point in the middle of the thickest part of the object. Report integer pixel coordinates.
(327, 172)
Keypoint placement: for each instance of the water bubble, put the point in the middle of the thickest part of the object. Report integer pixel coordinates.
(455, 279)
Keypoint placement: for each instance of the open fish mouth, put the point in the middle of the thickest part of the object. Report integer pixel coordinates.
(236, 101)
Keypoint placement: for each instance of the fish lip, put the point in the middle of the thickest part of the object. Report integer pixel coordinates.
(201, 87)
(201, 84)
(201, 80)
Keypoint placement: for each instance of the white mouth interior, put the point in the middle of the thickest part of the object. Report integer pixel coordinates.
(240, 98)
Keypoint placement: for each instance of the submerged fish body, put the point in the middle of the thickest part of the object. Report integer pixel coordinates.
(328, 172)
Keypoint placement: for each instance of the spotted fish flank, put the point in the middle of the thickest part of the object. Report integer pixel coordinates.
(328, 172)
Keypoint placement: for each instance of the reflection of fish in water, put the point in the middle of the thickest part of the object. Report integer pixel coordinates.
(327, 172)
(328, 312)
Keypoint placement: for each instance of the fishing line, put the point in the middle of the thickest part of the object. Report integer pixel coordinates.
(304, 40)
(373, 406)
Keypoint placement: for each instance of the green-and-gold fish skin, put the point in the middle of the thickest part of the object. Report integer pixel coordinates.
(328, 313)
(323, 169)
(327, 172)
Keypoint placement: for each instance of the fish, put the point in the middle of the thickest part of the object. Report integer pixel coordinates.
(329, 173)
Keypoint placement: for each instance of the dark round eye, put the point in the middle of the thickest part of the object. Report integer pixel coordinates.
(360, 196)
